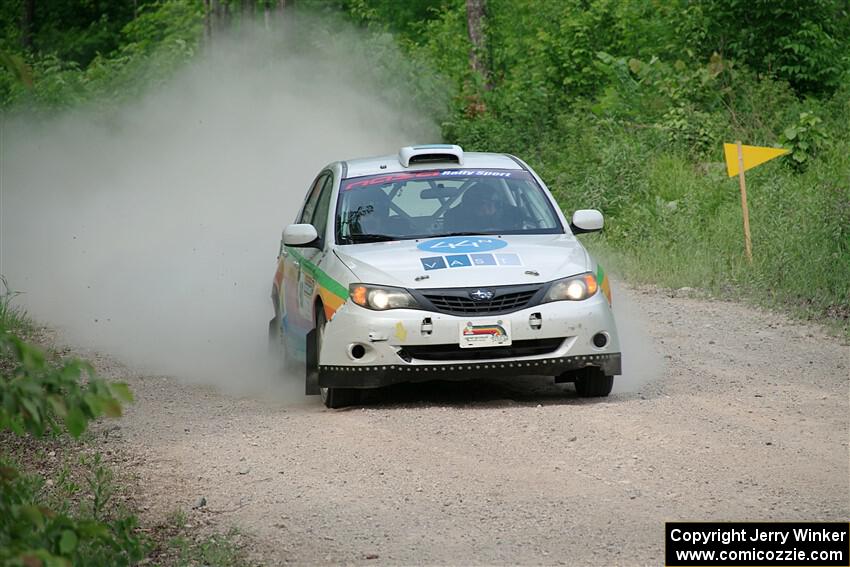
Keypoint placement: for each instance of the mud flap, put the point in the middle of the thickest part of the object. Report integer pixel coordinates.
(312, 365)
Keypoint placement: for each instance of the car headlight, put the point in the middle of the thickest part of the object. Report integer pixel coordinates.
(381, 298)
(574, 288)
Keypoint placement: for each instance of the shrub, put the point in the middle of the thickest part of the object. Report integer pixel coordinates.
(38, 398)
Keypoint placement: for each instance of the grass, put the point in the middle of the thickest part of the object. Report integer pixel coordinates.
(696, 273)
(12, 317)
(674, 223)
(218, 550)
(177, 544)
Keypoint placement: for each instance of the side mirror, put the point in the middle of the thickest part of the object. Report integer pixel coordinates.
(586, 220)
(300, 236)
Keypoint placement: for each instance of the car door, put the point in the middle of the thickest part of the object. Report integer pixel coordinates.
(313, 258)
(295, 324)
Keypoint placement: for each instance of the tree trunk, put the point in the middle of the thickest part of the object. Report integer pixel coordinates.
(26, 24)
(247, 9)
(285, 11)
(207, 22)
(475, 16)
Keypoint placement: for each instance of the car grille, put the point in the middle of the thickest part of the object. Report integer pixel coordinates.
(452, 352)
(457, 301)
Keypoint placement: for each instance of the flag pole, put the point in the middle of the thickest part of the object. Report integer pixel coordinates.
(742, 182)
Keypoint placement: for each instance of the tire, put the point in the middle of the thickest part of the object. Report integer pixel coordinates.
(592, 383)
(332, 397)
(339, 397)
(274, 337)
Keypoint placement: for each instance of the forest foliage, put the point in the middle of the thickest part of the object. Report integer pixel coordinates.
(625, 105)
(622, 105)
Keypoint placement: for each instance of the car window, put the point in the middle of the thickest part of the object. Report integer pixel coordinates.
(410, 198)
(310, 204)
(320, 215)
(433, 203)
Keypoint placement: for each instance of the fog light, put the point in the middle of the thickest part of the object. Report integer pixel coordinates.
(600, 340)
(358, 351)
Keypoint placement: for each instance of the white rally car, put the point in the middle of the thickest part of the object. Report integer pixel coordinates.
(440, 264)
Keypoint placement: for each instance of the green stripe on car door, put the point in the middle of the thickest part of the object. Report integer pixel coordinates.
(320, 276)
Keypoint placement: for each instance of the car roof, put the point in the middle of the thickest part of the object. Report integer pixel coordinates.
(391, 164)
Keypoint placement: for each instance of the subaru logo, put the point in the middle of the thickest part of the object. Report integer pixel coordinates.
(482, 294)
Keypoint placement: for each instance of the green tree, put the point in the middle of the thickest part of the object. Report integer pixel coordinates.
(805, 42)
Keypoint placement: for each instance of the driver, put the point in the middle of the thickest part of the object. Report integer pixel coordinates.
(481, 208)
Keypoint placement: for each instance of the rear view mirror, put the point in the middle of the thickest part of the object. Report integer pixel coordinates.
(586, 220)
(439, 192)
(300, 235)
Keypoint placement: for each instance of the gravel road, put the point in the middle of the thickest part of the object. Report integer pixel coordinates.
(746, 420)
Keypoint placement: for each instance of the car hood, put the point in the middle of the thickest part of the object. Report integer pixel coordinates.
(466, 261)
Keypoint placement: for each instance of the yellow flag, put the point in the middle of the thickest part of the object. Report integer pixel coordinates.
(753, 156)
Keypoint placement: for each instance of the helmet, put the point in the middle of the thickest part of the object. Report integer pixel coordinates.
(482, 199)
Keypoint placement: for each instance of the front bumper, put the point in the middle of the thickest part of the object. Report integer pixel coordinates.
(362, 348)
(377, 376)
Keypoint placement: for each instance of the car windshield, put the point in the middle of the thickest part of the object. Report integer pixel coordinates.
(424, 204)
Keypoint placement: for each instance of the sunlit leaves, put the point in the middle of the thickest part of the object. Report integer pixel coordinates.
(39, 397)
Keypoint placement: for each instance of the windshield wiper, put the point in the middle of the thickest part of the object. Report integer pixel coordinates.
(361, 238)
(463, 234)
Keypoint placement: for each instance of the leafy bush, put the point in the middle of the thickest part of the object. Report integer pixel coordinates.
(37, 395)
(805, 138)
(33, 534)
(38, 398)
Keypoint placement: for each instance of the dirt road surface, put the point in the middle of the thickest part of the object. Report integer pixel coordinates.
(748, 420)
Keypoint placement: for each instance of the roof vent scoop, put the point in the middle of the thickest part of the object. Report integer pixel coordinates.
(433, 153)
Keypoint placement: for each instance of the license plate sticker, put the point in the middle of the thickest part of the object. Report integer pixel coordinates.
(477, 333)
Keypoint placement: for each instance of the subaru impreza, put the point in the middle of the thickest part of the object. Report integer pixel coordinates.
(440, 264)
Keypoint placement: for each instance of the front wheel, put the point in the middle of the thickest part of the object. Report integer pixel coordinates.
(593, 383)
(339, 397)
(331, 397)
(274, 337)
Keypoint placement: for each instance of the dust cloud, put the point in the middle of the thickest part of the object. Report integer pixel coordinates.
(642, 362)
(152, 233)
